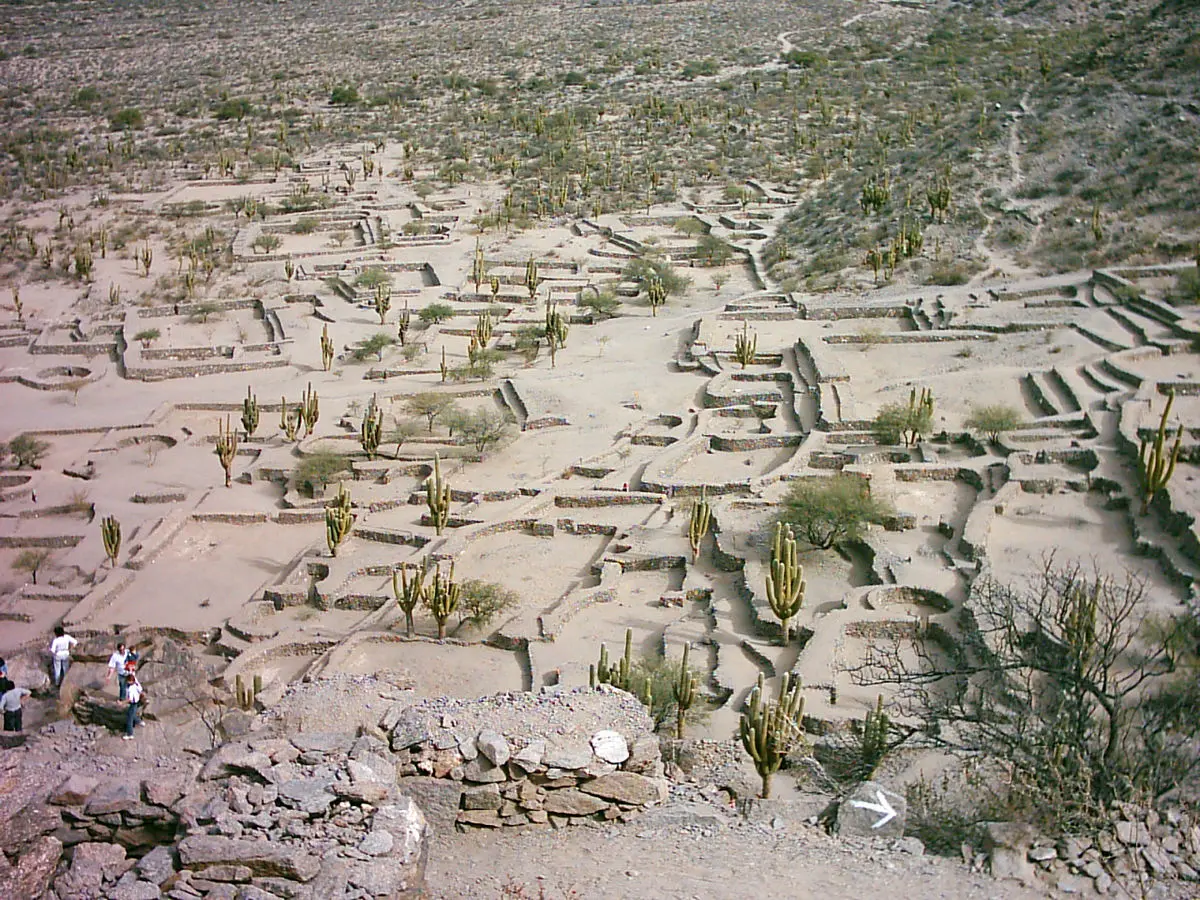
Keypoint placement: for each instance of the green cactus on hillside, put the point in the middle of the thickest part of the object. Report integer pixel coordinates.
(227, 445)
(370, 433)
(437, 497)
(383, 301)
(1156, 464)
(338, 520)
(745, 346)
(785, 579)
(483, 328)
(441, 596)
(771, 729)
(110, 534)
(326, 348)
(250, 413)
(532, 279)
(684, 691)
(310, 409)
(621, 674)
(698, 523)
(874, 737)
(656, 294)
(477, 267)
(556, 332)
(409, 592)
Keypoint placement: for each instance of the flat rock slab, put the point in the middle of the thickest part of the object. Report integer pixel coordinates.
(626, 787)
(262, 858)
(308, 795)
(872, 810)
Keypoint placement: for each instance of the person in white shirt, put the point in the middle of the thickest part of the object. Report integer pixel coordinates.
(116, 666)
(60, 651)
(133, 693)
(10, 701)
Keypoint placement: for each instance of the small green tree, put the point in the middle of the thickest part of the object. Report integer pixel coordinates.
(31, 561)
(897, 422)
(480, 602)
(830, 511)
(436, 312)
(374, 345)
(429, 405)
(482, 428)
(993, 420)
(320, 468)
(28, 451)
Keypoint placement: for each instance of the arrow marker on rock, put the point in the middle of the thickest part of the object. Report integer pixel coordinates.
(882, 807)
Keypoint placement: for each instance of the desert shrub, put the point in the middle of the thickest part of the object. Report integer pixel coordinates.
(373, 346)
(147, 336)
(237, 109)
(28, 451)
(948, 273)
(86, 96)
(644, 270)
(481, 601)
(993, 420)
(1186, 288)
(344, 95)
(305, 225)
(320, 468)
(829, 511)
(127, 119)
(436, 312)
(660, 673)
(372, 277)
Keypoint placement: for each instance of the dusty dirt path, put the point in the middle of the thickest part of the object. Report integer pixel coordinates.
(652, 860)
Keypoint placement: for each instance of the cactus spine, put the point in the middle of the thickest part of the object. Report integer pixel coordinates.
(769, 729)
(250, 413)
(745, 346)
(684, 691)
(326, 348)
(310, 409)
(699, 523)
(785, 580)
(437, 497)
(441, 596)
(1155, 463)
(371, 432)
(409, 591)
(338, 520)
(227, 444)
(110, 534)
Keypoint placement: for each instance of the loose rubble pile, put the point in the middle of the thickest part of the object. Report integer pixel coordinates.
(309, 816)
(1142, 844)
(535, 760)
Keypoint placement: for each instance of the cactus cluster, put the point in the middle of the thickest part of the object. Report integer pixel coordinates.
(310, 409)
(227, 445)
(745, 346)
(338, 520)
(875, 195)
(621, 674)
(247, 695)
(370, 433)
(770, 729)
(938, 197)
(250, 414)
(441, 595)
(437, 496)
(483, 328)
(1156, 464)
(656, 294)
(698, 523)
(785, 580)
(110, 534)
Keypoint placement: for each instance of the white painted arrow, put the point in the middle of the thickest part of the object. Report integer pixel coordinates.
(881, 807)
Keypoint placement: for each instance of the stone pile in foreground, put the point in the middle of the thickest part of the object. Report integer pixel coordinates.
(534, 760)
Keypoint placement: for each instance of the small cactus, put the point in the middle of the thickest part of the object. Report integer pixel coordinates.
(745, 346)
(227, 445)
(338, 520)
(656, 294)
(326, 348)
(250, 413)
(110, 534)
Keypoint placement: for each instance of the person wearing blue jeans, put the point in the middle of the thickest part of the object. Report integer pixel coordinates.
(133, 693)
(116, 666)
(60, 653)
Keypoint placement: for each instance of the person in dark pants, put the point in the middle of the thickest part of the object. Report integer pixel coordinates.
(10, 701)
(133, 693)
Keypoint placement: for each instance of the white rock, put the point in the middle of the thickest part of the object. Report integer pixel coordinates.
(610, 747)
(493, 746)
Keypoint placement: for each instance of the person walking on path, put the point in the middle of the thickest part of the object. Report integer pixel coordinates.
(60, 651)
(116, 666)
(10, 701)
(133, 693)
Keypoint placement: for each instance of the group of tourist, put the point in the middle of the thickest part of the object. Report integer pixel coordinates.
(122, 665)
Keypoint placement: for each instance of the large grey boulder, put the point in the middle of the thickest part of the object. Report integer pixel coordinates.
(872, 810)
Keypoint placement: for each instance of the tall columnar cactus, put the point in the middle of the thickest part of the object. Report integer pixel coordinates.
(403, 321)
(656, 294)
(338, 520)
(684, 691)
(769, 729)
(938, 197)
(326, 348)
(443, 367)
(442, 596)
(437, 497)
(532, 279)
(250, 413)
(370, 433)
(289, 268)
(383, 301)
(556, 332)
(227, 445)
(409, 591)
(483, 328)
(785, 580)
(698, 523)
(874, 736)
(745, 346)
(477, 267)
(1155, 463)
(310, 409)
(918, 418)
(110, 534)
(289, 420)
(495, 288)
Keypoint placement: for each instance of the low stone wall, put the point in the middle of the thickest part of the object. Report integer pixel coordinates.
(534, 760)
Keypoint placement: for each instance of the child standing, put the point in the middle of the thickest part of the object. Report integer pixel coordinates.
(133, 693)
